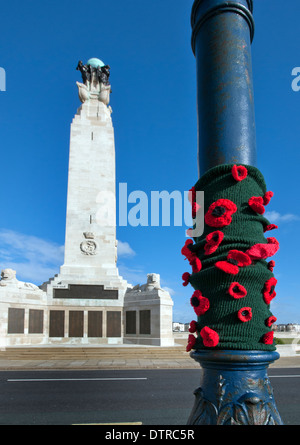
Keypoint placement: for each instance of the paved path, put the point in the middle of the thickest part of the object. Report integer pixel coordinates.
(121, 363)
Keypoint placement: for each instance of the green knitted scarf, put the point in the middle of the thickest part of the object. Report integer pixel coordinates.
(232, 275)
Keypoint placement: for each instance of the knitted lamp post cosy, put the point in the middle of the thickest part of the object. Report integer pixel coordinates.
(234, 286)
(231, 266)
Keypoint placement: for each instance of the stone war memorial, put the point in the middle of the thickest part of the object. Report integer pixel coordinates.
(87, 302)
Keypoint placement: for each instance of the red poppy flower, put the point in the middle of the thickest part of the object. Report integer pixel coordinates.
(186, 279)
(220, 213)
(191, 256)
(186, 251)
(195, 208)
(191, 343)
(269, 290)
(210, 337)
(241, 258)
(263, 251)
(199, 303)
(196, 264)
(227, 267)
(192, 195)
(270, 321)
(213, 240)
(245, 314)
(267, 197)
(236, 290)
(192, 198)
(235, 260)
(257, 204)
(271, 265)
(268, 338)
(189, 232)
(193, 327)
(239, 172)
(270, 227)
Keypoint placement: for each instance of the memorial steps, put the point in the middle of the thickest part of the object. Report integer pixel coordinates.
(86, 353)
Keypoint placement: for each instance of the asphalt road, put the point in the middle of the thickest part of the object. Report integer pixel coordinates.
(149, 397)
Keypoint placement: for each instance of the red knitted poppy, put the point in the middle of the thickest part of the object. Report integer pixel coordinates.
(267, 197)
(192, 195)
(236, 290)
(270, 227)
(191, 256)
(199, 303)
(257, 204)
(192, 198)
(186, 251)
(245, 314)
(193, 327)
(210, 337)
(220, 213)
(270, 321)
(271, 265)
(213, 240)
(195, 208)
(242, 258)
(186, 278)
(189, 232)
(239, 172)
(196, 264)
(227, 267)
(269, 290)
(191, 342)
(235, 260)
(263, 251)
(268, 338)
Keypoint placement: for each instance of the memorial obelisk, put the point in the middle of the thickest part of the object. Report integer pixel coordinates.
(90, 269)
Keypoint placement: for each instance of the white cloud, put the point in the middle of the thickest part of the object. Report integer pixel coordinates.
(169, 289)
(34, 259)
(133, 275)
(124, 249)
(276, 217)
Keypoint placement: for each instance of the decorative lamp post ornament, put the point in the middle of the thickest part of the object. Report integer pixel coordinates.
(231, 336)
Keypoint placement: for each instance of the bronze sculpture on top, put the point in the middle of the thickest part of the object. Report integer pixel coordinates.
(102, 72)
(95, 77)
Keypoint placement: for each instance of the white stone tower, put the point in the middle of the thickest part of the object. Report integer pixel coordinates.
(90, 243)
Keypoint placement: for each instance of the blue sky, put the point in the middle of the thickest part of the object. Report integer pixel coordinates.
(153, 76)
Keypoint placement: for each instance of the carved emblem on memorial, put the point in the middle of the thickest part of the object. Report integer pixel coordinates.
(88, 235)
(89, 246)
(95, 77)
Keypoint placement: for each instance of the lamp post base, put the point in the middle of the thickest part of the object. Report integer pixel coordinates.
(235, 389)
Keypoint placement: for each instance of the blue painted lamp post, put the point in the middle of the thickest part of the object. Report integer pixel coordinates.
(232, 338)
(221, 41)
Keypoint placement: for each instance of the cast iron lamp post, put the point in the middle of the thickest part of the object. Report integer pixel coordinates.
(232, 279)
(221, 41)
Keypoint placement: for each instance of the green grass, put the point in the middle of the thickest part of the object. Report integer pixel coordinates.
(284, 341)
